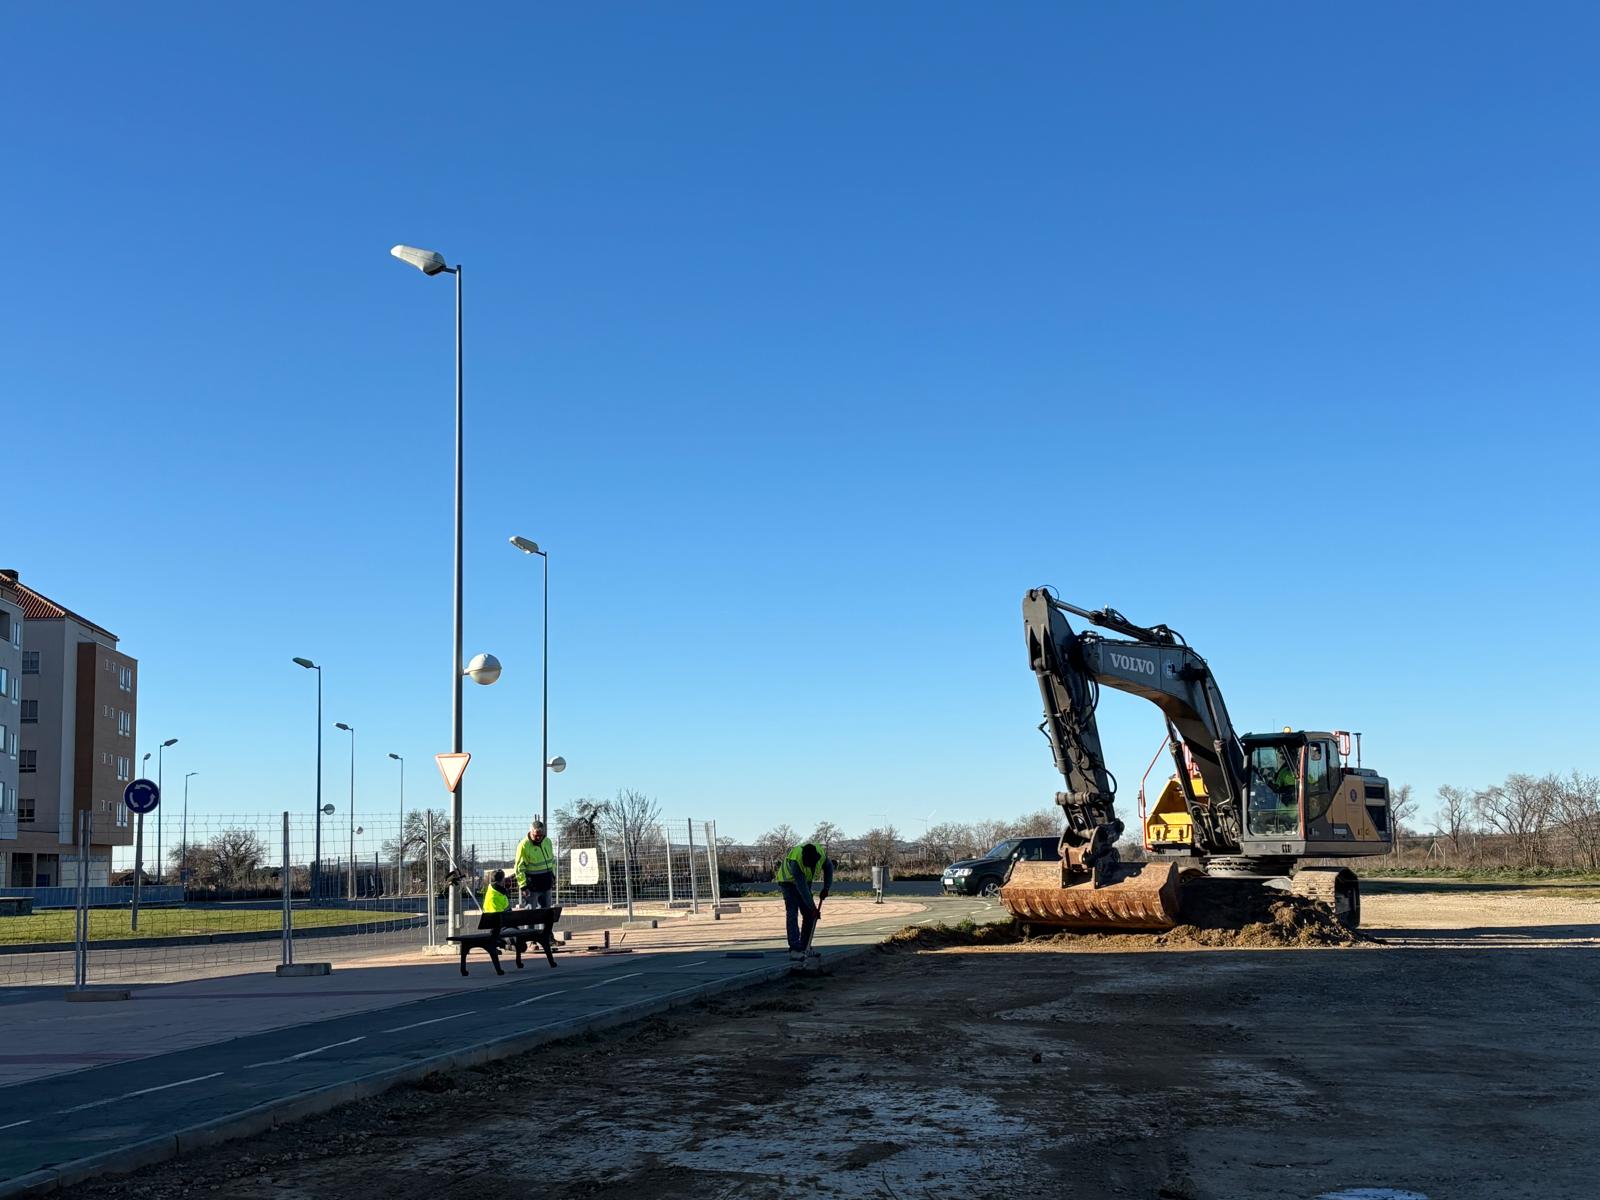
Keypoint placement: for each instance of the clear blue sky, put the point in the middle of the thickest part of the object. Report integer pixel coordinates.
(807, 339)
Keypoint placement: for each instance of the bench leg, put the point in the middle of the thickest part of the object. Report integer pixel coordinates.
(463, 960)
(494, 957)
(546, 944)
(518, 945)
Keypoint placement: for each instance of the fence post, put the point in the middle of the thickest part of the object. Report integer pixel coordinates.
(627, 866)
(80, 931)
(605, 844)
(433, 900)
(288, 910)
(694, 888)
(715, 864)
(666, 833)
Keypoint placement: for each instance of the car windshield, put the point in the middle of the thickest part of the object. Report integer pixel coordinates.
(1005, 848)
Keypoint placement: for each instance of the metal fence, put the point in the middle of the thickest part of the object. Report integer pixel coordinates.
(250, 892)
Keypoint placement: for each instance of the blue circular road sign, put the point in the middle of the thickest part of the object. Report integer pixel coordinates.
(141, 796)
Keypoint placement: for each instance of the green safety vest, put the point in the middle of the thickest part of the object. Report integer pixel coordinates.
(534, 857)
(494, 900)
(792, 868)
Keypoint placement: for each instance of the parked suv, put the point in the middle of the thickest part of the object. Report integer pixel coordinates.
(983, 876)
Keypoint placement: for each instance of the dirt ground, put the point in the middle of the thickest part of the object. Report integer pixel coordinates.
(1457, 1059)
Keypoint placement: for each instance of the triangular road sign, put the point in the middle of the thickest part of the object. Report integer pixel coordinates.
(453, 767)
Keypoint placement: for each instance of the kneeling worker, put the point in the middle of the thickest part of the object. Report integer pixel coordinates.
(536, 868)
(494, 894)
(797, 871)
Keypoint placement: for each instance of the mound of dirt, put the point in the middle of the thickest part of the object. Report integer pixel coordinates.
(1214, 913)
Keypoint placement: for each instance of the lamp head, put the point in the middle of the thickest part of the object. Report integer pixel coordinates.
(169, 742)
(397, 758)
(429, 262)
(327, 810)
(558, 764)
(308, 664)
(484, 669)
(343, 726)
(527, 547)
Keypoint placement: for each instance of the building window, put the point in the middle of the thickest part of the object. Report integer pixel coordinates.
(5, 626)
(125, 678)
(28, 761)
(124, 767)
(30, 662)
(6, 798)
(30, 712)
(5, 682)
(8, 741)
(25, 810)
(125, 724)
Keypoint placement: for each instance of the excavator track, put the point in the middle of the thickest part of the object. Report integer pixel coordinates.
(1336, 887)
(1140, 896)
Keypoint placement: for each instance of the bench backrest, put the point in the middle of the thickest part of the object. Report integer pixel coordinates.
(519, 918)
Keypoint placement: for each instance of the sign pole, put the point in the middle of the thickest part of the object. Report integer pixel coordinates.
(138, 863)
(288, 911)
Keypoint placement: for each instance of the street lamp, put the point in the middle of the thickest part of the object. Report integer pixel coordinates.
(161, 865)
(351, 866)
(316, 859)
(183, 853)
(531, 547)
(400, 838)
(431, 262)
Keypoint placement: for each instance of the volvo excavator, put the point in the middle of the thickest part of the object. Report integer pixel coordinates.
(1242, 807)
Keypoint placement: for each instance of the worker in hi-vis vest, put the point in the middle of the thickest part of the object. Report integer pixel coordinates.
(797, 871)
(494, 894)
(536, 868)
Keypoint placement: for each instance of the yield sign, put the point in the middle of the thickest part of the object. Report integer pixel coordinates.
(453, 767)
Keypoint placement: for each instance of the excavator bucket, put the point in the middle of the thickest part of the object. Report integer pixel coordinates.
(1140, 896)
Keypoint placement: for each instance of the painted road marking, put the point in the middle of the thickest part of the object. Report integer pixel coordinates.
(540, 996)
(14, 1124)
(613, 979)
(420, 1024)
(306, 1053)
(141, 1092)
(701, 963)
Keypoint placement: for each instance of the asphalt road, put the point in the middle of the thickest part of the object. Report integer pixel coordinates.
(63, 1118)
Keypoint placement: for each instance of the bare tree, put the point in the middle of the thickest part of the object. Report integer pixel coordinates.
(236, 854)
(1046, 822)
(579, 822)
(987, 833)
(632, 819)
(1452, 820)
(946, 842)
(1576, 809)
(1520, 810)
(774, 844)
(1402, 807)
(826, 834)
(411, 847)
(882, 846)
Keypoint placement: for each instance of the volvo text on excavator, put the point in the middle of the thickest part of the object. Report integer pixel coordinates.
(1247, 807)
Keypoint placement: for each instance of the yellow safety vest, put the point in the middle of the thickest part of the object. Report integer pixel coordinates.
(494, 900)
(792, 868)
(534, 857)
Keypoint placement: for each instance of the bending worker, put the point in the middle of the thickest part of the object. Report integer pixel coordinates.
(797, 871)
(536, 868)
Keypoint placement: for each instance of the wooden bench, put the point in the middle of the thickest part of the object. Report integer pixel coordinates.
(514, 929)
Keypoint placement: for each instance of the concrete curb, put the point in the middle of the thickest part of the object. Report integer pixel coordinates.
(262, 1117)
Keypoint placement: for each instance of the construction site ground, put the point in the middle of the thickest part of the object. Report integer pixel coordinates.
(1456, 1058)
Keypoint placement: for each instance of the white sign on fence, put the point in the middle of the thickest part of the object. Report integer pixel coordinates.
(585, 866)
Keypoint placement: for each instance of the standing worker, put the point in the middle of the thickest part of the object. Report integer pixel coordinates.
(797, 871)
(536, 868)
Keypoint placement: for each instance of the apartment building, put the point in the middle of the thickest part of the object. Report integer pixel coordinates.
(77, 725)
(10, 706)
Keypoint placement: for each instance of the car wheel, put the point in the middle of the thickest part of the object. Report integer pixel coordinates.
(989, 888)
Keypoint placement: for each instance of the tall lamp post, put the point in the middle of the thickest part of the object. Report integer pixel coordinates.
(161, 865)
(529, 547)
(316, 858)
(400, 838)
(431, 262)
(183, 851)
(351, 868)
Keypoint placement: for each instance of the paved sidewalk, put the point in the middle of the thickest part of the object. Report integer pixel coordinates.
(108, 1116)
(48, 1036)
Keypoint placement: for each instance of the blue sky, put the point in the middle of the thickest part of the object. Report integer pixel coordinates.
(807, 338)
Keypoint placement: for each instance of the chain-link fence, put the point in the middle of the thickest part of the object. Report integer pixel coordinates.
(232, 893)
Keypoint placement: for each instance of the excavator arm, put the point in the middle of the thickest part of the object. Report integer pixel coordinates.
(1156, 664)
